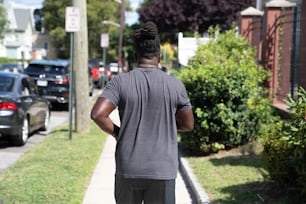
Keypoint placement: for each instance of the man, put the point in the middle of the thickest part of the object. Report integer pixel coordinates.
(152, 107)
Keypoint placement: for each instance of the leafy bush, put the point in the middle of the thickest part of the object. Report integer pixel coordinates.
(224, 81)
(285, 147)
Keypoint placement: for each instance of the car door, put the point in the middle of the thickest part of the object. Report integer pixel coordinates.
(40, 105)
(32, 103)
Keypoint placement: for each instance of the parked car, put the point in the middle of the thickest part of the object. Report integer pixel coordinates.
(52, 78)
(90, 83)
(107, 72)
(22, 109)
(11, 67)
(98, 77)
(113, 67)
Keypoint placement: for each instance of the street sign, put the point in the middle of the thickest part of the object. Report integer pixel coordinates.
(72, 23)
(104, 40)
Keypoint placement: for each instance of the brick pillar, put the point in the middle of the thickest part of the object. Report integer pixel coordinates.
(250, 28)
(277, 14)
(302, 66)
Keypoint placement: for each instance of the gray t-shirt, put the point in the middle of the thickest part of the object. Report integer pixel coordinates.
(147, 101)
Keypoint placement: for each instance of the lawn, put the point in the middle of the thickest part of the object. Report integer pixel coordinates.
(57, 170)
(237, 177)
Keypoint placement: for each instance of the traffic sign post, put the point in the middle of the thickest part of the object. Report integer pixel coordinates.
(72, 24)
(104, 45)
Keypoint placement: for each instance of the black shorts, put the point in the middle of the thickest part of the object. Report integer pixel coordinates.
(146, 191)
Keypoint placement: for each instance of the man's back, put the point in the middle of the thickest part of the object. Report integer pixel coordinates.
(147, 100)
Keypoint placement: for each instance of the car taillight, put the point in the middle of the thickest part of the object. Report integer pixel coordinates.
(64, 80)
(8, 106)
(95, 73)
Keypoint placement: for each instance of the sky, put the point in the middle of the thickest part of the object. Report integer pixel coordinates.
(130, 17)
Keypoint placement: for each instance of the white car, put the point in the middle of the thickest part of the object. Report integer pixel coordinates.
(114, 68)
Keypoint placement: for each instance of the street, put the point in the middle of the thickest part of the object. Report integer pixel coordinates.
(10, 154)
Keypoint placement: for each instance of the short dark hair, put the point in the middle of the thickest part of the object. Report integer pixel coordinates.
(146, 40)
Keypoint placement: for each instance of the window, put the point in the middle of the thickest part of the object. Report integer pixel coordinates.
(6, 84)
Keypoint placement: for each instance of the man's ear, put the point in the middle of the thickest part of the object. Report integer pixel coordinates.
(159, 57)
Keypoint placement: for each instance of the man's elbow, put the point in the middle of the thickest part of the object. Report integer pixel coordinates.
(187, 127)
(190, 126)
(94, 116)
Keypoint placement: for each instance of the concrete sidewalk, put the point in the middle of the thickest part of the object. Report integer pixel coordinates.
(101, 187)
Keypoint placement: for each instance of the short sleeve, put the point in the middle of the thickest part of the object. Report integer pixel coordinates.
(111, 91)
(183, 99)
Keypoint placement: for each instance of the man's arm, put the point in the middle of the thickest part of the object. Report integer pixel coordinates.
(184, 120)
(100, 115)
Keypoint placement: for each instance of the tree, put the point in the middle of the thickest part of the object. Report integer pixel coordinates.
(174, 16)
(54, 25)
(96, 13)
(3, 21)
(53, 15)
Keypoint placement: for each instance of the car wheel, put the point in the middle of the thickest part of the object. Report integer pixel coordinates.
(46, 121)
(100, 84)
(23, 135)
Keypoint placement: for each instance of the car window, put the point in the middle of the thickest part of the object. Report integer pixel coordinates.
(94, 62)
(25, 89)
(12, 67)
(6, 84)
(50, 69)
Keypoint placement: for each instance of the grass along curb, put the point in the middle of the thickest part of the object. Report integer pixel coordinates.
(57, 170)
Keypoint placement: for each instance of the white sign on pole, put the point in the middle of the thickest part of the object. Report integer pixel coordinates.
(104, 40)
(72, 23)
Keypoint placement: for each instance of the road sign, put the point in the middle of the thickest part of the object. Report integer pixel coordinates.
(104, 40)
(72, 23)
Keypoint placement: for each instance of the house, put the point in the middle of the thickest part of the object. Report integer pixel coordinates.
(187, 47)
(17, 42)
(21, 41)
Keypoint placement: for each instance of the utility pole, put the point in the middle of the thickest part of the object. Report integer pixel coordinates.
(80, 64)
(121, 29)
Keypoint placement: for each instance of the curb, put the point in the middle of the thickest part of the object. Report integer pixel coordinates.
(197, 190)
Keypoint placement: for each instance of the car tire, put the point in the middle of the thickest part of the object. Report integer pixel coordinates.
(99, 84)
(46, 121)
(23, 135)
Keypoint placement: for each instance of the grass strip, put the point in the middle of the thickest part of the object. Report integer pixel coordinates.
(233, 179)
(57, 170)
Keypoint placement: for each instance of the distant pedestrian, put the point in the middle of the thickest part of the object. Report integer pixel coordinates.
(152, 106)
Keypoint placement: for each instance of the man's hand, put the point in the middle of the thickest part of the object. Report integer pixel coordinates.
(100, 115)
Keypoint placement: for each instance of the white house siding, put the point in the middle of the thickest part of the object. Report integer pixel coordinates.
(17, 42)
(187, 47)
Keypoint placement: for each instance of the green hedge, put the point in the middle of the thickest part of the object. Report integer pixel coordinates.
(224, 81)
(285, 147)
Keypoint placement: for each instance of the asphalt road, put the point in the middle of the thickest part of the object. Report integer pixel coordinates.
(10, 154)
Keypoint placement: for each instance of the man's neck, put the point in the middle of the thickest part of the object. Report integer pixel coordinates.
(148, 63)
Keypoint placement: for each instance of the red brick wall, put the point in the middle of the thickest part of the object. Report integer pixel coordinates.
(284, 69)
(302, 64)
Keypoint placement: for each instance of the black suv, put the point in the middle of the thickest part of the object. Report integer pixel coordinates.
(52, 78)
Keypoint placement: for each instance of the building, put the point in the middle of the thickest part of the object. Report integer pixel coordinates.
(21, 41)
(17, 42)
